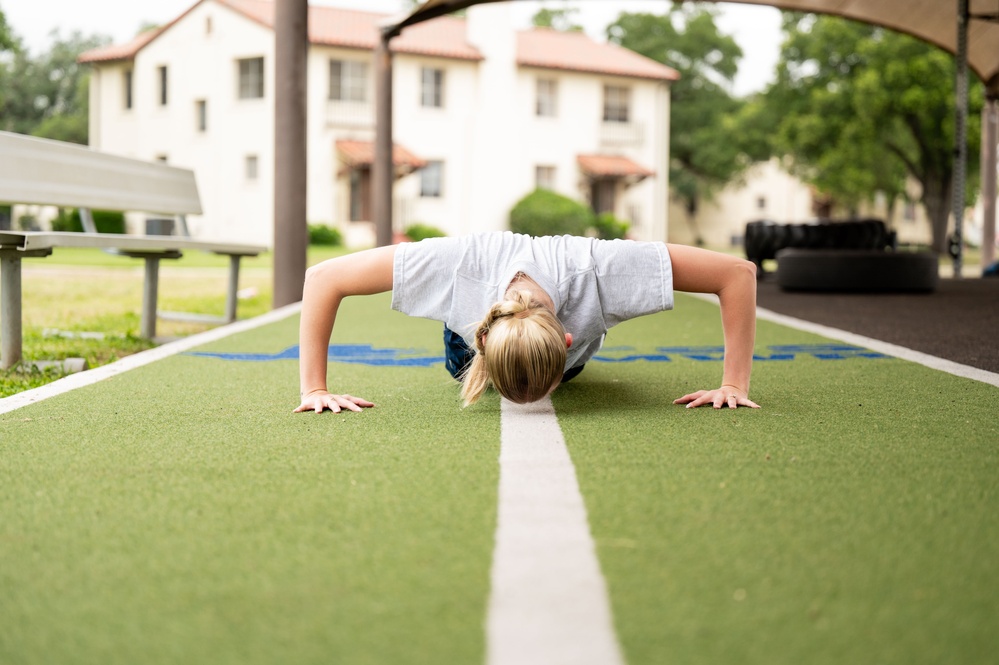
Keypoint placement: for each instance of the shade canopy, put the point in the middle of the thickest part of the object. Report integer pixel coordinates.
(934, 21)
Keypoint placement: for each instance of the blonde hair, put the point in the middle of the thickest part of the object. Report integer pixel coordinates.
(519, 348)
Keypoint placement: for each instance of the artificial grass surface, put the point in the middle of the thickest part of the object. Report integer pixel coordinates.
(180, 513)
(850, 520)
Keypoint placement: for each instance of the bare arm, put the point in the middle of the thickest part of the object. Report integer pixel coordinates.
(326, 285)
(733, 280)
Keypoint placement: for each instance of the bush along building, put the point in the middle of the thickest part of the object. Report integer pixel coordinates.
(484, 115)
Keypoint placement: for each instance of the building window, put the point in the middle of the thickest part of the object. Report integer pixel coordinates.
(251, 78)
(616, 103)
(348, 80)
(250, 167)
(544, 177)
(208, 25)
(546, 98)
(163, 84)
(761, 203)
(432, 87)
(431, 180)
(201, 115)
(161, 158)
(127, 86)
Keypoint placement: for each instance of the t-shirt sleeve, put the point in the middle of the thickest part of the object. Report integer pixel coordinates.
(423, 277)
(635, 279)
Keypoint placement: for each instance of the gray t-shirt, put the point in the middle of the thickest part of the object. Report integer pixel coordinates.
(595, 284)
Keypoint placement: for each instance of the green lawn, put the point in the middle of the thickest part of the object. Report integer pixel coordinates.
(89, 291)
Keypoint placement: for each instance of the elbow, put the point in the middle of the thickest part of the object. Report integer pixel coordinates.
(318, 280)
(311, 273)
(317, 273)
(746, 270)
(741, 278)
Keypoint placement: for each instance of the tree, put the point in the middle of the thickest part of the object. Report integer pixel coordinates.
(705, 153)
(6, 39)
(557, 19)
(861, 108)
(48, 95)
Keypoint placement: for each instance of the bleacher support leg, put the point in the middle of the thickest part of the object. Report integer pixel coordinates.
(10, 310)
(230, 296)
(150, 293)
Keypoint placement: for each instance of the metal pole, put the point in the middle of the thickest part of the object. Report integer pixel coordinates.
(990, 137)
(10, 310)
(960, 132)
(291, 236)
(150, 296)
(382, 171)
(231, 295)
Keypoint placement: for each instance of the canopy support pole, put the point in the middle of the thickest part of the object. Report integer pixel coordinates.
(960, 136)
(291, 236)
(990, 137)
(382, 175)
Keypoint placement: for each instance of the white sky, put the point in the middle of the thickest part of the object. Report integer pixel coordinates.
(755, 28)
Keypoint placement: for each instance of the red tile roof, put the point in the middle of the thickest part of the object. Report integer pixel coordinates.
(332, 26)
(574, 51)
(125, 51)
(362, 153)
(611, 166)
(443, 37)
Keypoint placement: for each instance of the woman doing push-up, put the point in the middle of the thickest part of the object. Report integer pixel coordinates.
(524, 314)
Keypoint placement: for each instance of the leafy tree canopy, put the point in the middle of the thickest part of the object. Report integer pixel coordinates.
(557, 19)
(706, 152)
(860, 108)
(47, 95)
(6, 39)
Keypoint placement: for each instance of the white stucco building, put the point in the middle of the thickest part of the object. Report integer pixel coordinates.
(483, 114)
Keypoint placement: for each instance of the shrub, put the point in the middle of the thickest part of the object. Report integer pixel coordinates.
(610, 227)
(320, 234)
(27, 223)
(106, 221)
(545, 213)
(419, 231)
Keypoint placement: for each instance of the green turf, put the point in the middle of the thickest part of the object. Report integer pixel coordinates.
(851, 520)
(181, 513)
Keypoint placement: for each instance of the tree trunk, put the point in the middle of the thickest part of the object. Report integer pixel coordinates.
(691, 208)
(936, 199)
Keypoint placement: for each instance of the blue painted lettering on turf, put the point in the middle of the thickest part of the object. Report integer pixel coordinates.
(365, 354)
(359, 354)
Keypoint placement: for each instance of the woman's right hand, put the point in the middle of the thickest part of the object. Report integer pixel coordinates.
(318, 400)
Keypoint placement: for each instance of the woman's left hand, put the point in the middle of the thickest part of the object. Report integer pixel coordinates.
(726, 395)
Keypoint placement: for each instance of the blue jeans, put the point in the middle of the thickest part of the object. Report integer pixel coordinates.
(457, 356)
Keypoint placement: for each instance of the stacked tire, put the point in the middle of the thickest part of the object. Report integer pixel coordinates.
(852, 255)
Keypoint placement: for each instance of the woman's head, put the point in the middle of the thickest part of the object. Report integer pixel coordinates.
(520, 347)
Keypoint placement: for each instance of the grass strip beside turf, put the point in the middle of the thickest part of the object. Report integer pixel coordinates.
(850, 520)
(181, 513)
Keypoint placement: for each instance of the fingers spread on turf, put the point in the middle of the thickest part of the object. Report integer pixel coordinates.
(686, 399)
(335, 403)
(718, 399)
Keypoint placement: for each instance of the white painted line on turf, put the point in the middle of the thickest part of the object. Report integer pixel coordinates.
(81, 379)
(887, 348)
(549, 603)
